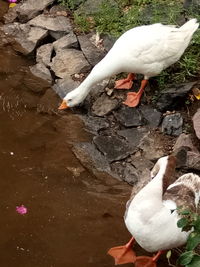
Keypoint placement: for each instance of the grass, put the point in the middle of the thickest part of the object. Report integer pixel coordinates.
(114, 19)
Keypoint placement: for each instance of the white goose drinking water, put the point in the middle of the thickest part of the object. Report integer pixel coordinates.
(151, 215)
(144, 50)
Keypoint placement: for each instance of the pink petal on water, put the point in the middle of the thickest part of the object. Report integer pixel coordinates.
(21, 209)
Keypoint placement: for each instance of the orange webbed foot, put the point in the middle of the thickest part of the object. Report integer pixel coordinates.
(132, 99)
(123, 254)
(125, 83)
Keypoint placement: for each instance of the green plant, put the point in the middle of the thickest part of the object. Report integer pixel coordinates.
(190, 221)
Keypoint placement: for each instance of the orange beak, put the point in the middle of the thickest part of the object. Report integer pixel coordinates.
(63, 105)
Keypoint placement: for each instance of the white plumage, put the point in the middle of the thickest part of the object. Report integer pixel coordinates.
(152, 217)
(145, 49)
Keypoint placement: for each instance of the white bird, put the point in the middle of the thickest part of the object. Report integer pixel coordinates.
(144, 50)
(151, 215)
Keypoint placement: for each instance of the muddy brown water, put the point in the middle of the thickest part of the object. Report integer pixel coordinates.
(73, 217)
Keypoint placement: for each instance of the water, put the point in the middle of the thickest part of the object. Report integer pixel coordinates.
(73, 217)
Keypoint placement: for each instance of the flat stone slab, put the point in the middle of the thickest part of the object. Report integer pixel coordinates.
(67, 41)
(112, 147)
(172, 97)
(64, 86)
(68, 62)
(55, 24)
(172, 124)
(27, 37)
(133, 135)
(151, 146)
(129, 117)
(151, 115)
(94, 124)
(40, 70)
(185, 140)
(44, 53)
(193, 160)
(104, 105)
(126, 172)
(196, 123)
(26, 10)
(91, 52)
(90, 157)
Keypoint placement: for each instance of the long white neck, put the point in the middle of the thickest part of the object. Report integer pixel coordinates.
(101, 71)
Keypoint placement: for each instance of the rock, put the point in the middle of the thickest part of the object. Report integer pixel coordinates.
(104, 105)
(44, 53)
(68, 62)
(94, 124)
(173, 97)
(97, 90)
(11, 15)
(112, 147)
(41, 71)
(54, 24)
(91, 52)
(126, 172)
(67, 41)
(184, 140)
(151, 115)
(64, 86)
(129, 117)
(196, 123)
(48, 103)
(108, 41)
(172, 124)
(193, 161)
(34, 84)
(133, 135)
(90, 157)
(151, 146)
(27, 37)
(30, 8)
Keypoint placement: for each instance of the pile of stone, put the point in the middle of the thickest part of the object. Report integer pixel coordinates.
(127, 141)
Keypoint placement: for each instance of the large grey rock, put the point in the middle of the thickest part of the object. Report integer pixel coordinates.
(104, 105)
(26, 10)
(126, 172)
(193, 161)
(112, 147)
(30, 8)
(91, 52)
(41, 71)
(64, 86)
(151, 146)
(133, 135)
(94, 124)
(151, 115)
(27, 37)
(68, 62)
(173, 97)
(55, 24)
(91, 158)
(44, 54)
(67, 41)
(184, 140)
(196, 123)
(129, 117)
(172, 124)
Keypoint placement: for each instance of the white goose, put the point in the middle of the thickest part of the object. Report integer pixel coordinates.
(151, 216)
(146, 50)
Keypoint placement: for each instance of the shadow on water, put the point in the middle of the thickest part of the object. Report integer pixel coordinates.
(73, 217)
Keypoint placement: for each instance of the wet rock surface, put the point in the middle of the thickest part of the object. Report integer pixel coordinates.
(129, 117)
(172, 124)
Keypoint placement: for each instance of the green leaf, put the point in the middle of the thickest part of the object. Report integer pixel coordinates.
(185, 212)
(168, 255)
(195, 262)
(182, 222)
(196, 224)
(186, 257)
(193, 241)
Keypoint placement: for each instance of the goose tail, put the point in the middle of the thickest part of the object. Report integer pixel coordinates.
(190, 26)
